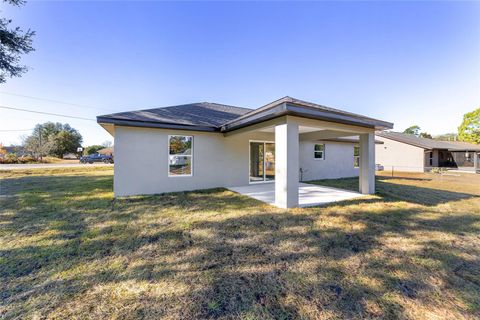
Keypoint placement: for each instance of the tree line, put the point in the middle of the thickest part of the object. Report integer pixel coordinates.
(468, 131)
(57, 139)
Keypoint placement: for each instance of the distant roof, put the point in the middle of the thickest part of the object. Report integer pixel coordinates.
(427, 143)
(108, 150)
(207, 116)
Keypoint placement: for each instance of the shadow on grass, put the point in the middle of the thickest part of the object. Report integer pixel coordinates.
(235, 257)
(399, 192)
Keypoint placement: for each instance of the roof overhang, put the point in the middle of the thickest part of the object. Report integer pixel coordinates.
(153, 124)
(284, 107)
(464, 149)
(305, 111)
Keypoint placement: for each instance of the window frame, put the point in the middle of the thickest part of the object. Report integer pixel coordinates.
(188, 155)
(356, 157)
(318, 151)
(265, 142)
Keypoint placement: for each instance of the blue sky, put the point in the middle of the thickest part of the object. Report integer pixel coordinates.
(404, 62)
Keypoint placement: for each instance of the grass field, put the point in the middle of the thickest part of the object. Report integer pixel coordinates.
(67, 250)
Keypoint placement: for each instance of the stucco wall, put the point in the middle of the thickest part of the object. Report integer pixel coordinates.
(402, 156)
(141, 161)
(338, 161)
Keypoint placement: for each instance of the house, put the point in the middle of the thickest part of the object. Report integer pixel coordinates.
(109, 151)
(208, 145)
(407, 152)
(17, 150)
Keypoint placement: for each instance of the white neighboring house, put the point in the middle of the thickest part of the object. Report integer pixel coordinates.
(209, 145)
(407, 152)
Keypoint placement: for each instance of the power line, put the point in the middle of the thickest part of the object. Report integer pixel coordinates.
(54, 101)
(12, 130)
(47, 113)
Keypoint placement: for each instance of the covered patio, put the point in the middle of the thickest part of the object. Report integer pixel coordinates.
(309, 195)
(292, 121)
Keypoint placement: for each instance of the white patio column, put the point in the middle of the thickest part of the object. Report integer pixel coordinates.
(286, 165)
(367, 163)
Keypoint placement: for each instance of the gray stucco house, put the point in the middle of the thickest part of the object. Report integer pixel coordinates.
(407, 152)
(208, 145)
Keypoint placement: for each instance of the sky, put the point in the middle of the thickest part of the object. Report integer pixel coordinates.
(410, 63)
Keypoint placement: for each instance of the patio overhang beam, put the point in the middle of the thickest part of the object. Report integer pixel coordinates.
(304, 111)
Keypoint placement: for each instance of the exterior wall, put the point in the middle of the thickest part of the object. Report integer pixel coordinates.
(141, 160)
(338, 162)
(435, 158)
(400, 156)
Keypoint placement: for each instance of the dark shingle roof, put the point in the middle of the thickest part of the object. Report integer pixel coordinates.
(296, 107)
(426, 143)
(208, 116)
(203, 114)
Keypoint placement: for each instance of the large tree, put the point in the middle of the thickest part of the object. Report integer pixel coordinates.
(469, 130)
(54, 139)
(13, 43)
(413, 130)
(93, 149)
(446, 137)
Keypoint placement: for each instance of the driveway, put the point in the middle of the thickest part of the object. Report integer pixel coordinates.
(50, 165)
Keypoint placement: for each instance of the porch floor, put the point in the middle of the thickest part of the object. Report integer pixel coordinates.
(309, 194)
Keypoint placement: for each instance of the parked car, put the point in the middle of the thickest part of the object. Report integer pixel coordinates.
(97, 157)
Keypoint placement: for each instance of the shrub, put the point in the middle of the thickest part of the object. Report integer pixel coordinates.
(438, 170)
(27, 159)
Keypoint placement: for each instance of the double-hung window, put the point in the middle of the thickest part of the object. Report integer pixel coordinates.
(180, 156)
(356, 157)
(319, 152)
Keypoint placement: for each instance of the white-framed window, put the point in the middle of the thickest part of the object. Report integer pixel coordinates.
(356, 156)
(180, 156)
(319, 152)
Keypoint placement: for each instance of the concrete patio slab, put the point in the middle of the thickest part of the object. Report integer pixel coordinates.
(309, 194)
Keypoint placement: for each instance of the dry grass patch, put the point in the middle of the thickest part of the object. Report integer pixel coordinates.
(68, 251)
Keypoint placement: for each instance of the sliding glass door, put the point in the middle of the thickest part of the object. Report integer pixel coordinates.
(262, 161)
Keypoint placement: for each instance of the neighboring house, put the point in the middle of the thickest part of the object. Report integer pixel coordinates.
(106, 151)
(407, 152)
(208, 145)
(18, 150)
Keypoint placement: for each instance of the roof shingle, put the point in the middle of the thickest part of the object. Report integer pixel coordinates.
(208, 116)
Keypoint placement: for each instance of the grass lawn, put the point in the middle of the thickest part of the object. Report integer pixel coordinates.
(68, 251)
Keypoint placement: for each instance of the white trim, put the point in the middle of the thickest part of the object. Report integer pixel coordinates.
(356, 157)
(250, 164)
(168, 157)
(322, 151)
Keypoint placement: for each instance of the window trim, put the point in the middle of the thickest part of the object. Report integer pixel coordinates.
(250, 162)
(356, 157)
(315, 152)
(190, 155)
